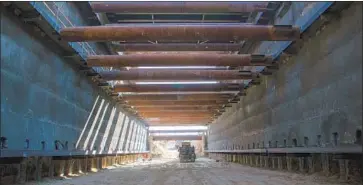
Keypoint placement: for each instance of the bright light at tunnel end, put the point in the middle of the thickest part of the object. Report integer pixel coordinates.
(173, 128)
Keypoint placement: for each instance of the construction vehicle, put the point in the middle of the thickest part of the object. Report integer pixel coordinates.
(186, 152)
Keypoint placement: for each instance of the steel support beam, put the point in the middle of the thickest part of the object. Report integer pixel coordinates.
(178, 88)
(181, 118)
(136, 60)
(197, 108)
(174, 97)
(177, 118)
(161, 113)
(182, 75)
(175, 21)
(173, 122)
(177, 7)
(179, 121)
(177, 103)
(129, 47)
(180, 32)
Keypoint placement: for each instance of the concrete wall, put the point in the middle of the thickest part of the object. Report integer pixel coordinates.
(317, 92)
(43, 98)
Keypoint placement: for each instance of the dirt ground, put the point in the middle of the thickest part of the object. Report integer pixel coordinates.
(202, 172)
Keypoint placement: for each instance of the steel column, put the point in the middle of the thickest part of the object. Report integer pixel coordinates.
(164, 32)
(177, 7)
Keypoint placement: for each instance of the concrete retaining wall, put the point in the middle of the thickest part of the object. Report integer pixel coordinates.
(314, 98)
(43, 98)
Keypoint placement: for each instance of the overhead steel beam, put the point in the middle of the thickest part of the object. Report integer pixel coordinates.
(180, 32)
(135, 60)
(178, 103)
(174, 97)
(177, 21)
(182, 75)
(195, 122)
(178, 87)
(186, 109)
(175, 52)
(177, 118)
(187, 117)
(180, 113)
(177, 7)
(184, 121)
(178, 47)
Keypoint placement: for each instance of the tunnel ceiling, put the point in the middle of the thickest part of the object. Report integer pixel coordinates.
(174, 63)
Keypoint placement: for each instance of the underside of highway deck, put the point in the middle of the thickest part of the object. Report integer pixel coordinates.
(271, 89)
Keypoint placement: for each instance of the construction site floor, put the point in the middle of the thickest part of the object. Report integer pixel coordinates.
(203, 172)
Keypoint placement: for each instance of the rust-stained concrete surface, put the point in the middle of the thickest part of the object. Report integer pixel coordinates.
(202, 172)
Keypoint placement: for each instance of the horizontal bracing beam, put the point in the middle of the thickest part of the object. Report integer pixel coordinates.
(174, 122)
(177, 7)
(177, 114)
(180, 32)
(177, 103)
(178, 47)
(174, 97)
(185, 59)
(182, 75)
(187, 109)
(178, 21)
(218, 87)
(177, 118)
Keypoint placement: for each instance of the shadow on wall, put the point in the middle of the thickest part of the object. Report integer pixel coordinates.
(103, 131)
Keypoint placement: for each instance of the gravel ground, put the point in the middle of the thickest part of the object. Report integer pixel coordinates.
(202, 172)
